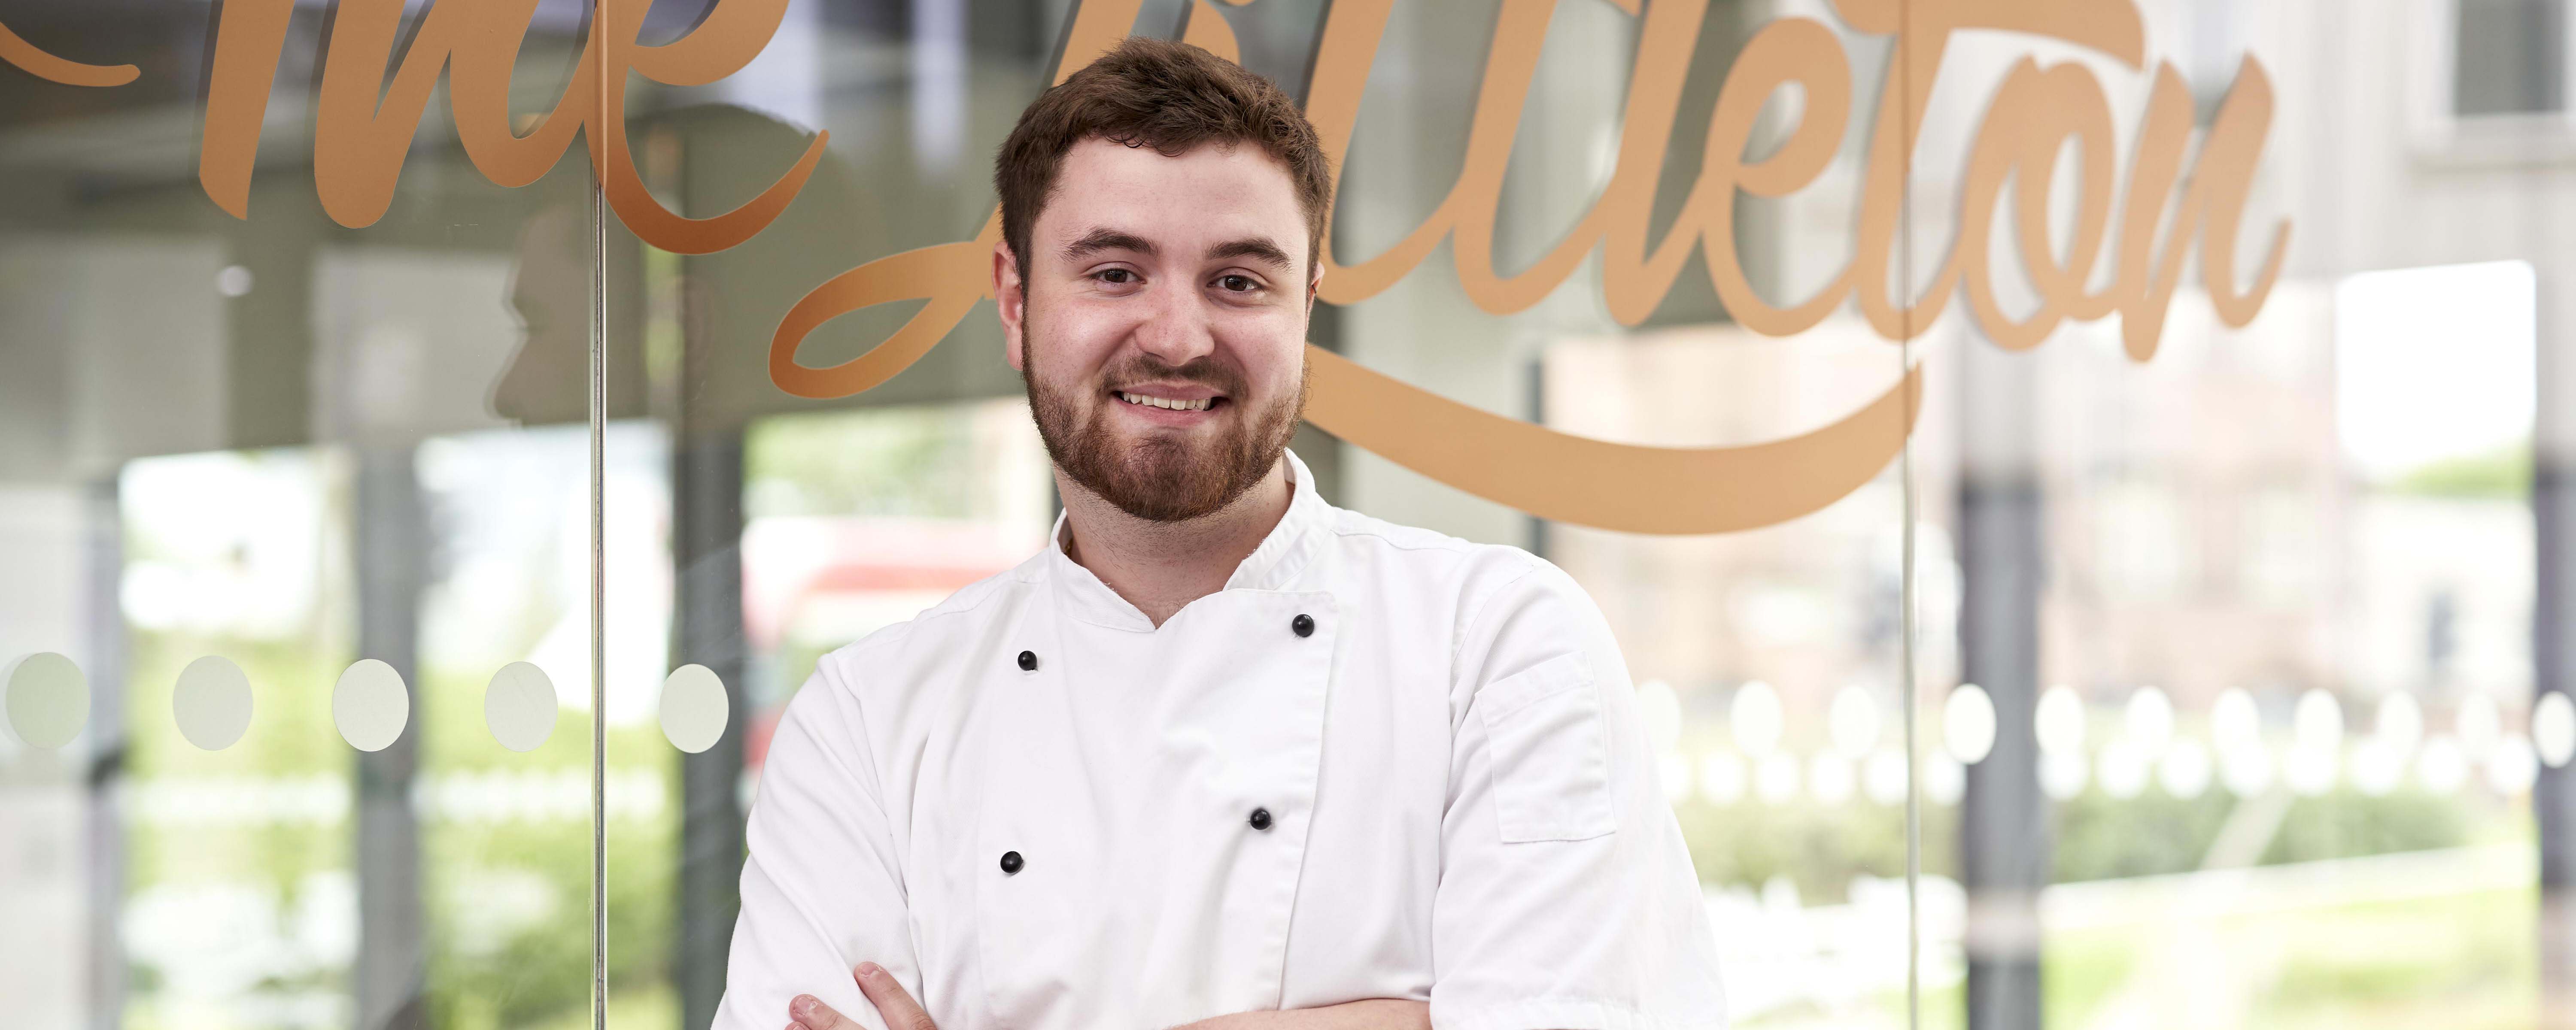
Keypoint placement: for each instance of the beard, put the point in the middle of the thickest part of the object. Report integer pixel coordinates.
(1164, 476)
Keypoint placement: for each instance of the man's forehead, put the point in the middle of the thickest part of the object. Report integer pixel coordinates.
(1209, 194)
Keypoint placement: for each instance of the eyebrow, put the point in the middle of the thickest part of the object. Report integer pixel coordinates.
(1098, 240)
(1256, 248)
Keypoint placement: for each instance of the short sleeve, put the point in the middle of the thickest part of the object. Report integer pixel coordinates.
(821, 888)
(1567, 900)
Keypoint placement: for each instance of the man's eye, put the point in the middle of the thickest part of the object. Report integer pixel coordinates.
(1116, 276)
(1237, 283)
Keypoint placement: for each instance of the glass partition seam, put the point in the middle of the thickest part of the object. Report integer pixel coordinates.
(598, 404)
(1905, 532)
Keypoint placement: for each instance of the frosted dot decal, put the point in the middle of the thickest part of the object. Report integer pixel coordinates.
(370, 705)
(1676, 773)
(2059, 721)
(2125, 769)
(1853, 721)
(519, 706)
(2377, 767)
(2185, 770)
(2478, 724)
(2317, 723)
(1968, 724)
(48, 700)
(1660, 708)
(1945, 781)
(2234, 720)
(2149, 720)
(2246, 767)
(2063, 774)
(2443, 766)
(212, 703)
(1721, 777)
(1775, 778)
(1756, 718)
(694, 710)
(1831, 778)
(2512, 765)
(1884, 778)
(2401, 721)
(2310, 771)
(2553, 728)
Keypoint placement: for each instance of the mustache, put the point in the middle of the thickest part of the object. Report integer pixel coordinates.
(1204, 370)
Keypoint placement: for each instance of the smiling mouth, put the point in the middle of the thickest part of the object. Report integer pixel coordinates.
(1168, 403)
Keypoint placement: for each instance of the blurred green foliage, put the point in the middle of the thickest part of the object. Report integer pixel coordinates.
(1816, 846)
(907, 461)
(1820, 847)
(2501, 473)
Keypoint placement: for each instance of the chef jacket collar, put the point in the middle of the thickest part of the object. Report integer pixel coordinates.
(1272, 566)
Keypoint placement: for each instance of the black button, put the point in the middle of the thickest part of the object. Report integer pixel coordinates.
(1303, 624)
(1028, 661)
(1011, 862)
(1261, 816)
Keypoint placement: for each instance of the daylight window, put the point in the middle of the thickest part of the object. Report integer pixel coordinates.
(2510, 57)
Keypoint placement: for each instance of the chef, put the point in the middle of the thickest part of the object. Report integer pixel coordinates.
(1220, 752)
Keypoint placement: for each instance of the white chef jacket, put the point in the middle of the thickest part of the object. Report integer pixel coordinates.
(1381, 763)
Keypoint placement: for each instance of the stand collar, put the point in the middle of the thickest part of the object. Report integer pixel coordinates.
(1273, 565)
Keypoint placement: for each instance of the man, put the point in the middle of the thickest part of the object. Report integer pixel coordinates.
(1221, 752)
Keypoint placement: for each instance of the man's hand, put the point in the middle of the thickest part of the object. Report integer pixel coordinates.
(900, 1012)
(895, 1006)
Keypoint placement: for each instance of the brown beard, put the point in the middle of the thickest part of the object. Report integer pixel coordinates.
(1162, 478)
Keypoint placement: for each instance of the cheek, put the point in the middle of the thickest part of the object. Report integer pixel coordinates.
(1272, 351)
(1070, 343)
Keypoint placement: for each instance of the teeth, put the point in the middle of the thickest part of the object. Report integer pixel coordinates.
(1167, 403)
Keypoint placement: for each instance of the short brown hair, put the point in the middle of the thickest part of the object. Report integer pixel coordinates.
(1168, 96)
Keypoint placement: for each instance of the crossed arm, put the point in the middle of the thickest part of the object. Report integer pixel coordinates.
(900, 1012)
(1565, 896)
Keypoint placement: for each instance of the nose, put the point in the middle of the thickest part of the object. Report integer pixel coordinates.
(1177, 329)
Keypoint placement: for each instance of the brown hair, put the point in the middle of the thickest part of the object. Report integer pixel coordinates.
(1168, 96)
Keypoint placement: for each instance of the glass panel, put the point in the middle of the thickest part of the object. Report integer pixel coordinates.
(2248, 576)
(296, 547)
(811, 497)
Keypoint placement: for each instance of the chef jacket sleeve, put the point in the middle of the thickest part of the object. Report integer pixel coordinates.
(1566, 899)
(821, 889)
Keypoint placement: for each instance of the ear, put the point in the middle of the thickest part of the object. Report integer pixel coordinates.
(1314, 283)
(1010, 297)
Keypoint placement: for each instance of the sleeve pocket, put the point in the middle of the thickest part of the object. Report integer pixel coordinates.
(1550, 761)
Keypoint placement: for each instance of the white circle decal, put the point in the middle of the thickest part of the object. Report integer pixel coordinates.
(48, 700)
(2553, 728)
(1721, 777)
(2512, 766)
(1968, 724)
(694, 708)
(2184, 771)
(2059, 721)
(212, 703)
(2149, 720)
(519, 706)
(2234, 720)
(2316, 723)
(1853, 722)
(2063, 774)
(370, 705)
(1756, 718)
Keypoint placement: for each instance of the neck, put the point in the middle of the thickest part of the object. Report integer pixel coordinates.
(1160, 567)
